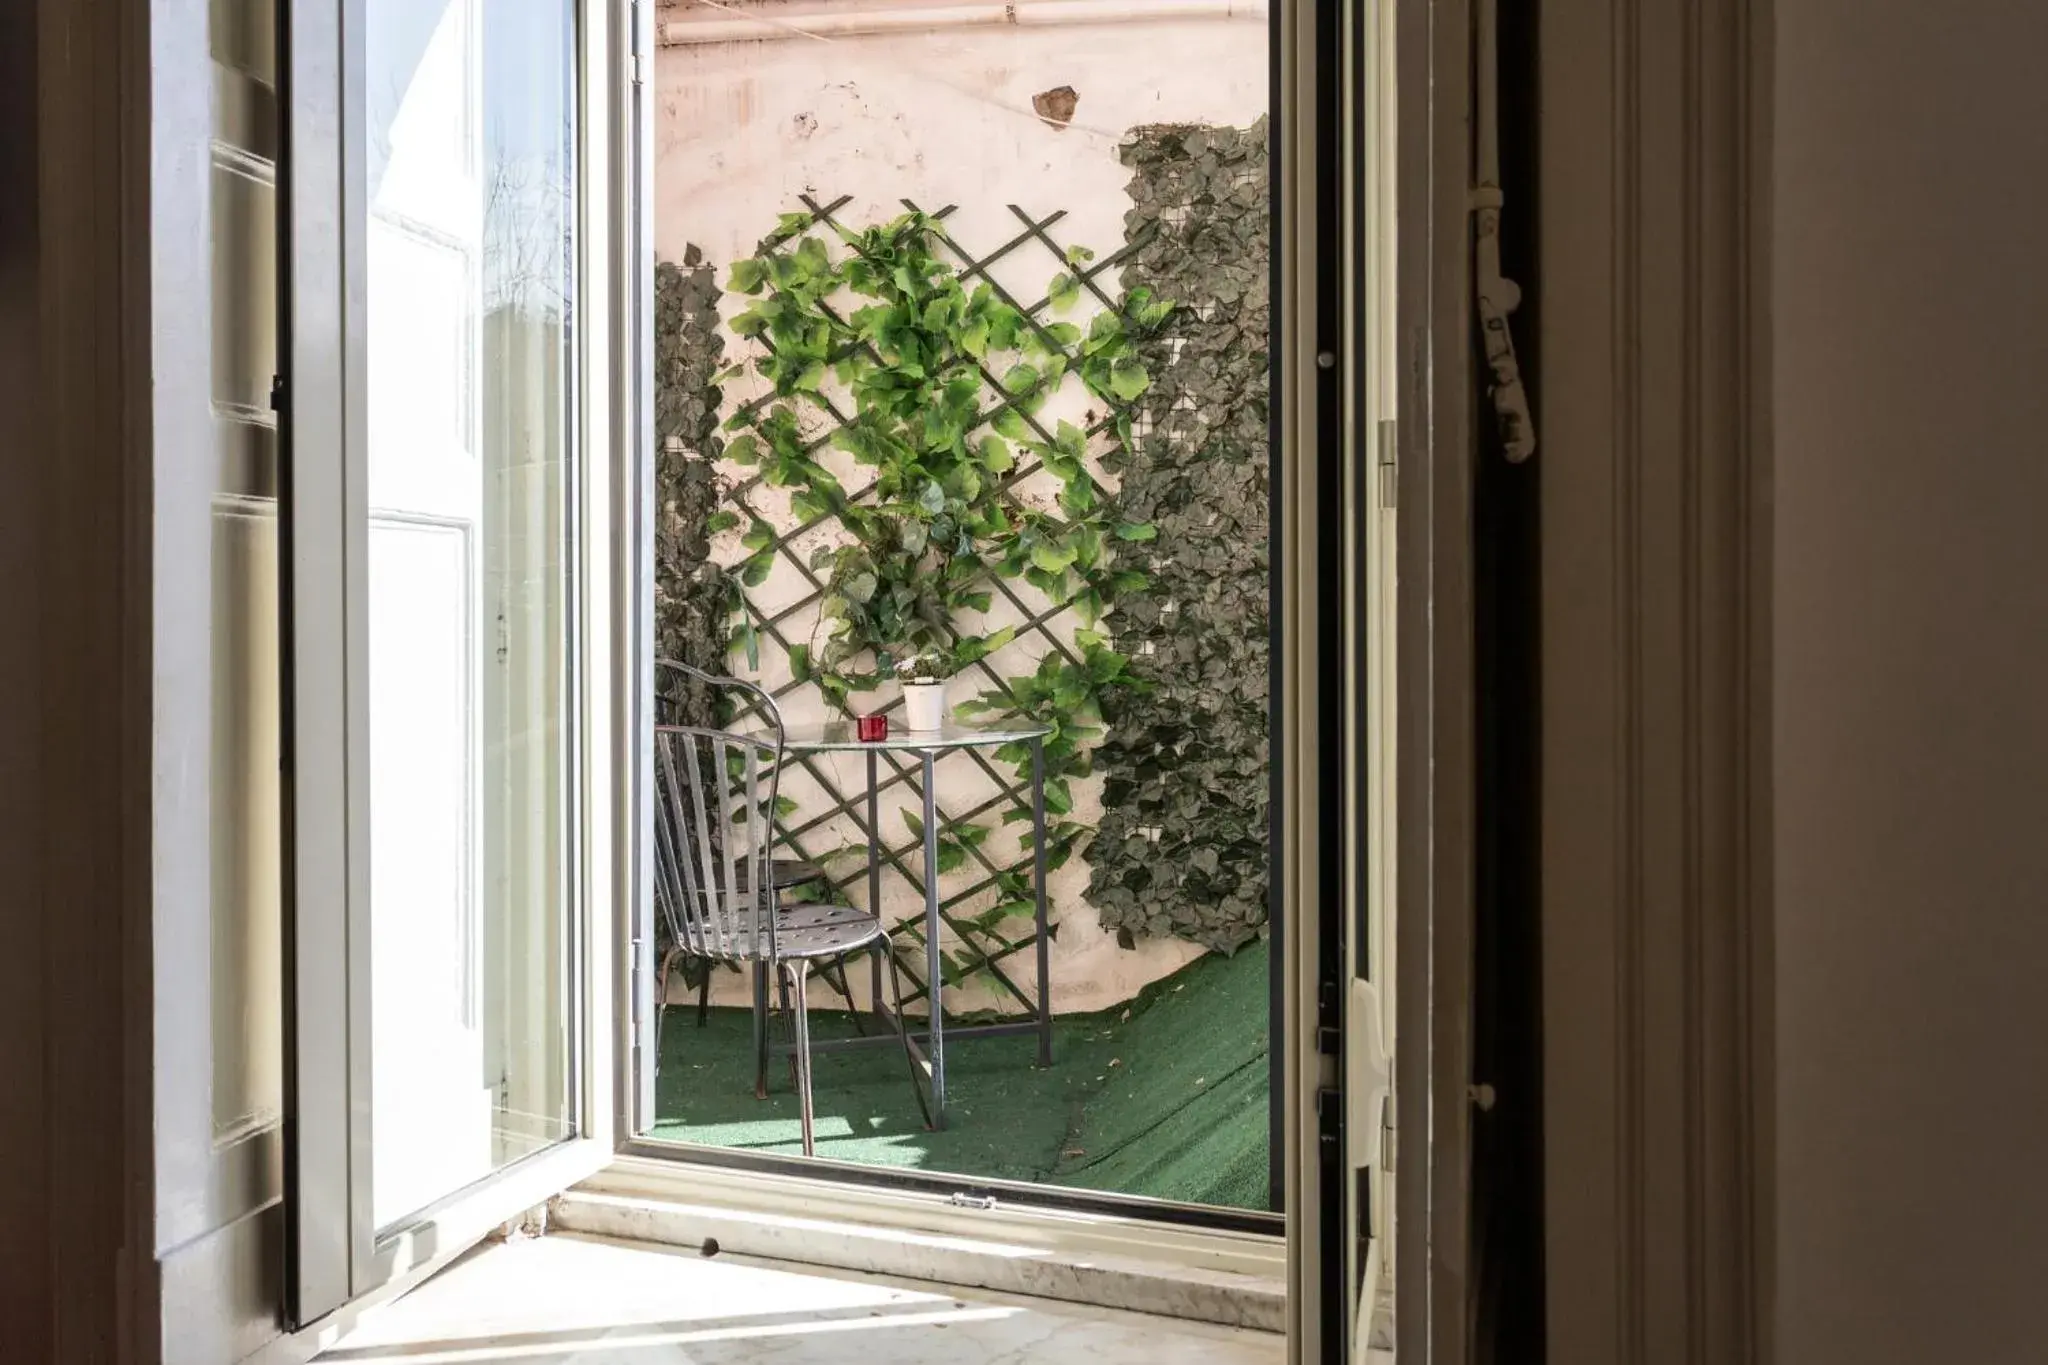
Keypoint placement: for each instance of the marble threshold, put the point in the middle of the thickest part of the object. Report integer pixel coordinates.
(1114, 1273)
(570, 1299)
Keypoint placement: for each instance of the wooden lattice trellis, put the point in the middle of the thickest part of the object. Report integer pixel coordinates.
(985, 938)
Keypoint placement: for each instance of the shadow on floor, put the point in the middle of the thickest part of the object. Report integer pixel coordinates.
(1165, 1099)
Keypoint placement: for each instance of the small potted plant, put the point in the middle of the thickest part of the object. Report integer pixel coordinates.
(923, 676)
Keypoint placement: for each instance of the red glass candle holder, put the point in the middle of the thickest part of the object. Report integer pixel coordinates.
(871, 729)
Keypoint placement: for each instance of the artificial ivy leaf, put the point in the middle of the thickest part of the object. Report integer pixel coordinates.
(1003, 323)
(747, 276)
(751, 323)
(759, 536)
(932, 498)
(1063, 291)
(800, 663)
(744, 637)
(976, 648)
(1079, 255)
(755, 572)
(916, 824)
(1011, 423)
(974, 339)
(1128, 379)
(1021, 379)
(1066, 333)
(810, 254)
(721, 521)
(1105, 335)
(915, 535)
(1137, 530)
(859, 588)
(812, 377)
(1051, 558)
(744, 449)
(995, 454)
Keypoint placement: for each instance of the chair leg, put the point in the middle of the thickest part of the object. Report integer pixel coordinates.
(802, 1057)
(668, 964)
(795, 972)
(760, 1030)
(704, 994)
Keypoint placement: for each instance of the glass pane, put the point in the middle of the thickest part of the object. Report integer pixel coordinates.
(471, 260)
(961, 348)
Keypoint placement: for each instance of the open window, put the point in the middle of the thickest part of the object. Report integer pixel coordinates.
(1041, 350)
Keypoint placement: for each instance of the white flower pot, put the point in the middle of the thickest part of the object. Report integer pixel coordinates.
(924, 705)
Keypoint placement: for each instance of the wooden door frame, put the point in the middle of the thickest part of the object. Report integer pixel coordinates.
(1653, 412)
(77, 1215)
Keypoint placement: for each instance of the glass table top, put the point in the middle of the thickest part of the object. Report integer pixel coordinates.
(839, 734)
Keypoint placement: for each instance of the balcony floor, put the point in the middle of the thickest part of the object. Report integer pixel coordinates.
(1167, 1099)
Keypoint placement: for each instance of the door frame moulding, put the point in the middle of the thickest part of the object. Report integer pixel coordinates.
(1435, 836)
(1653, 280)
(79, 330)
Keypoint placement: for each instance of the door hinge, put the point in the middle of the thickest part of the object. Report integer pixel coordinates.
(1386, 463)
(636, 42)
(1330, 1122)
(1387, 1131)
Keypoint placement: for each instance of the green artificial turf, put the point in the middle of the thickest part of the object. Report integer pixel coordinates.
(1166, 1098)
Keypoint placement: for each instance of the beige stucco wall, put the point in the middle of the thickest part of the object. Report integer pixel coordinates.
(1911, 648)
(744, 129)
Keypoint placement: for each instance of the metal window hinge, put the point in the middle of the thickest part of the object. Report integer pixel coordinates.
(963, 1200)
(1368, 1078)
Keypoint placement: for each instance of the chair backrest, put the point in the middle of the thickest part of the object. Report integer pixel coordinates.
(714, 829)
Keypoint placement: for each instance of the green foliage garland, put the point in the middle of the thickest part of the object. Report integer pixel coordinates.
(693, 597)
(1182, 845)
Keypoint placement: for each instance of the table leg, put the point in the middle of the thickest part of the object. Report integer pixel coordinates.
(874, 881)
(935, 1034)
(1038, 859)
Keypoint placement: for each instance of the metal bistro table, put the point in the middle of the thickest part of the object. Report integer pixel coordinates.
(928, 745)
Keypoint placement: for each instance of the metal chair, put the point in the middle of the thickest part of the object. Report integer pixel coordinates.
(692, 690)
(718, 889)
